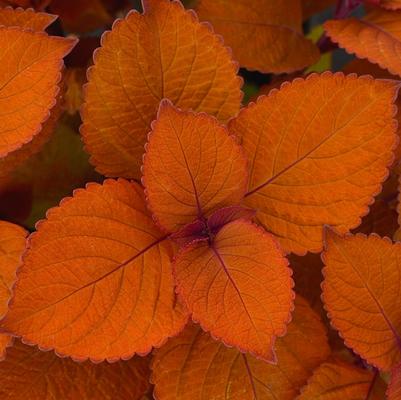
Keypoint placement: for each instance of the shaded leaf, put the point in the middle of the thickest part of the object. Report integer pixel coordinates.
(192, 167)
(12, 245)
(361, 295)
(338, 380)
(174, 57)
(37, 21)
(394, 387)
(319, 149)
(238, 287)
(73, 97)
(376, 37)
(96, 281)
(36, 4)
(391, 4)
(28, 373)
(195, 367)
(264, 35)
(311, 7)
(30, 72)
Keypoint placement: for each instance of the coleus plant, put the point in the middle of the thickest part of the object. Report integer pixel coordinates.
(183, 247)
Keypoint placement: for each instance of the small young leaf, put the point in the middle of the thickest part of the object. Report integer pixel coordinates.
(375, 37)
(28, 373)
(238, 287)
(361, 292)
(96, 281)
(29, 74)
(164, 53)
(339, 380)
(265, 35)
(319, 150)
(37, 21)
(12, 245)
(193, 366)
(192, 167)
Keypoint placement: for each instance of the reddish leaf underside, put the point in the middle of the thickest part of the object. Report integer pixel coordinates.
(164, 53)
(318, 152)
(361, 293)
(265, 35)
(376, 37)
(12, 245)
(192, 167)
(193, 366)
(238, 287)
(28, 373)
(96, 281)
(394, 386)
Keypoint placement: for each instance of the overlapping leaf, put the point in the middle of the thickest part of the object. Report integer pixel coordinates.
(375, 37)
(28, 373)
(31, 64)
(338, 380)
(361, 292)
(96, 281)
(195, 367)
(37, 21)
(264, 35)
(310, 7)
(192, 167)
(164, 53)
(319, 150)
(238, 287)
(391, 4)
(12, 245)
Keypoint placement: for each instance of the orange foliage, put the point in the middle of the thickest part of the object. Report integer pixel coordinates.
(12, 245)
(304, 178)
(29, 373)
(175, 57)
(376, 37)
(192, 366)
(361, 293)
(264, 35)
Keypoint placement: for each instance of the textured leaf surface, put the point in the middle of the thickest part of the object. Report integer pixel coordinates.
(191, 168)
(238, 287)
(193, 366)
(28, 373)
(338, 380)
(96, 281)
(174, 57)
(361, 292)
(319, 150)
(377, 37)
(37, 21)
(29, 74)
(12, 245)
(394, 386)
(264, 35)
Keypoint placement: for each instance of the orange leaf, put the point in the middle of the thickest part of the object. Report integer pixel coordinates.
(394, 387)
(74, 80)
(361, 295)
(96, 281)
(37, 21)
(173, 56)
(30, 72)
(238, 287)
(192, 366)
(28, 373)
(192, 167)
(36, 4)
(377, 37)
(12, 245)
(391, 4)
(264, 35)
(319, 150)
(339, 380)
